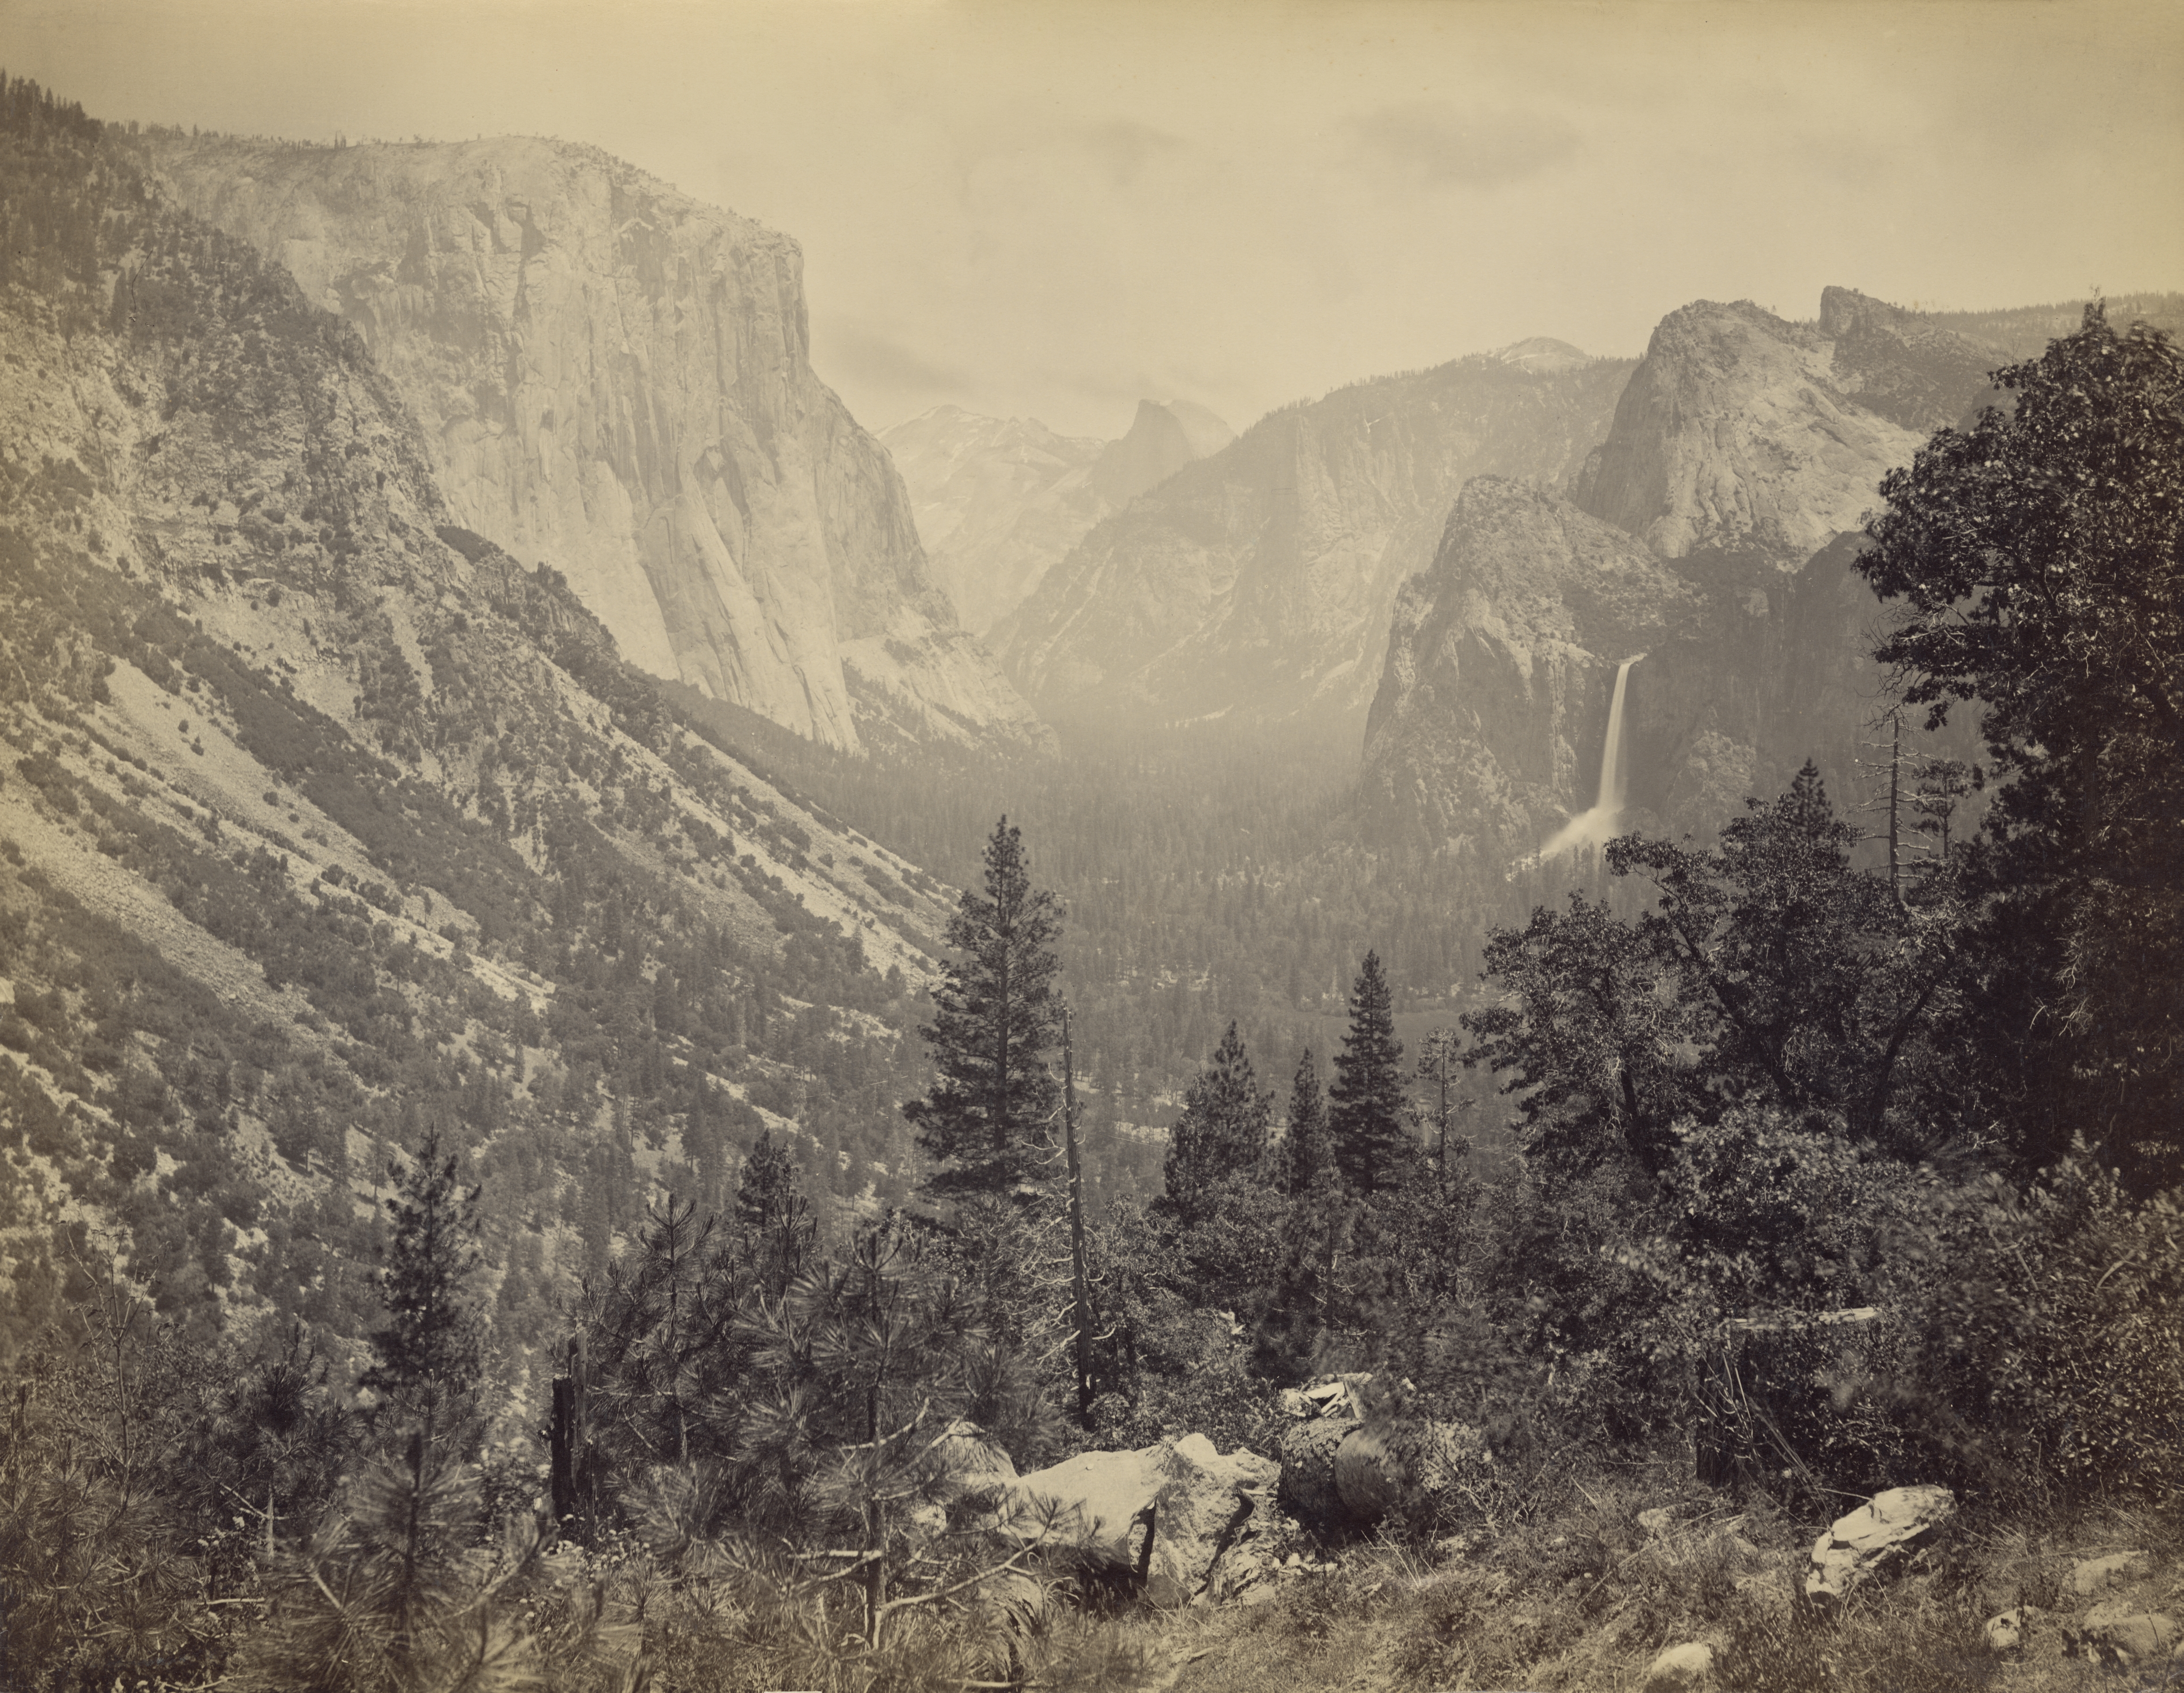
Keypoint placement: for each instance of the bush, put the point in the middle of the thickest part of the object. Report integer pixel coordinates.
(2040, 1335)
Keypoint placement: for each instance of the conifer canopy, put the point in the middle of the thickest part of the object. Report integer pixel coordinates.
(1222, 1134)
(987, 1121)
(1366, 1115)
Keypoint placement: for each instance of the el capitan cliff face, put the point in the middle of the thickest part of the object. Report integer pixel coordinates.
(615, 378)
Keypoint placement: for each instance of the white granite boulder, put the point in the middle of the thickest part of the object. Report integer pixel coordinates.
(1876, 1538)
(1163, 1513)
(1680, 1669)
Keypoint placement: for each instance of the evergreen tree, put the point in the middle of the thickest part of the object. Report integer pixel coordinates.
(1307, 1154)
(429, 1356)
(1222, 1134)
(2035, 558)
(989, 1113)
(1366, 1120)
(776, 1216)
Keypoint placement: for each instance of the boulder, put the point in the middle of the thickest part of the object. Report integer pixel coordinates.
(2006, 1633)
(1164, 1513)
(1679, 1668)
(2118, 1633)
(1097, 1505)
(1203, 1499)
(1876, 1538)
(2089, 1576)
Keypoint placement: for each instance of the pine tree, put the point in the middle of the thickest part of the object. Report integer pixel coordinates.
(986, 1116)
(776, 1216)
(429, 1356)
(1307, 1154)
(1222, 1134)
(1366, 1120)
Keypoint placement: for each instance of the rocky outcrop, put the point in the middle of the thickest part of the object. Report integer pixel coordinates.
(615, 378)
(1258, 583)
(1714, 532)
(1737, 436)
(1490, 720)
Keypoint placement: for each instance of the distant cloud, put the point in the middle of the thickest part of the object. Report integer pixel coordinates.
(1444, 146)
(1123, 148)
(874, 356)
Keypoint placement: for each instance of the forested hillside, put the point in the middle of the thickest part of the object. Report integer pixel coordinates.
(515, 1175)
(326, 820)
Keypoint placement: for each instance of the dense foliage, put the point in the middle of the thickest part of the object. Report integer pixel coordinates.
(2039, 559)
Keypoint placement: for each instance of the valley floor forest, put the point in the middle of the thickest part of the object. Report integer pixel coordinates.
(516, 1174)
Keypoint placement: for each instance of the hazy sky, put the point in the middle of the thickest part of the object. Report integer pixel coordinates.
(1051, 209)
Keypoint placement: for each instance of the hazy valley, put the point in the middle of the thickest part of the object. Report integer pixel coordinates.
(472, 692)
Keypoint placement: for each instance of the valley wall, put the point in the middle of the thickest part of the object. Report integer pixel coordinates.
(1715, 530)
(616, 379)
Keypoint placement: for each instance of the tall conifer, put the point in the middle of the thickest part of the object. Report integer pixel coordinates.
(430, 1354)
(1366, 1120)
(987, 1119)
(1222, 1131)
(1306, 1156)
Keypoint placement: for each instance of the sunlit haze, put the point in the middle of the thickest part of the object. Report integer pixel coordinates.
(1049, 210)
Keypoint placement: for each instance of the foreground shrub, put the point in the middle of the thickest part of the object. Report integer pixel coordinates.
(2039, 1335)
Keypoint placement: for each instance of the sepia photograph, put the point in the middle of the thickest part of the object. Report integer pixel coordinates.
(1081, 846)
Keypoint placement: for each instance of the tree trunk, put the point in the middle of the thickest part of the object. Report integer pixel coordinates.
(1080, 1286)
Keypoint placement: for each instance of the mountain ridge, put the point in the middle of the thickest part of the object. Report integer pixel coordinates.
(1260, 580)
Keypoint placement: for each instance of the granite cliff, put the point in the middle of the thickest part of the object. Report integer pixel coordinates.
(1259, 582)
(998, 501)
(615, 378)
(1713, 532)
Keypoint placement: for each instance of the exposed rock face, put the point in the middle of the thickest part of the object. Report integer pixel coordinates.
(1489, 723)
(1161, 440)
(1259, 582)
(997, 501)
(1903, 367)
(615, 378)
(1715, 535)
(1741, 434)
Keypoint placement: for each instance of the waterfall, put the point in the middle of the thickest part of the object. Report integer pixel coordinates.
(1597, 827)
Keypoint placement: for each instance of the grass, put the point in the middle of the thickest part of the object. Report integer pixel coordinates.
(1582, 1597)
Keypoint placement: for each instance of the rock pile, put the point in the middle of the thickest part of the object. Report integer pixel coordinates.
(2130, 1624)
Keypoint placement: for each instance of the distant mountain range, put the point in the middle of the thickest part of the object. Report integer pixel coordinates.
(1713, 532)
(998, 501)
(1258, 581)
